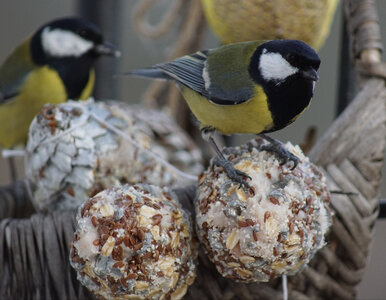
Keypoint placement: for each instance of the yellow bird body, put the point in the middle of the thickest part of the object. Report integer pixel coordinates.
(53, 65)
(245, 20)
(42, 85)
(229, 119)
(247, 87)
(13, 128)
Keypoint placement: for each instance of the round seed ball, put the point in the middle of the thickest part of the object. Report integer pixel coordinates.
(71, 156)
(273, 229)
(134, 242)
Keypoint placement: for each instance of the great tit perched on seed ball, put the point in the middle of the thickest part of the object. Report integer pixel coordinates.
(51, 66)
(250, 87)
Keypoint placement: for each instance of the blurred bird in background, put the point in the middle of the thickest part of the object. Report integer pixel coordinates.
(245, 20)
(51, 66)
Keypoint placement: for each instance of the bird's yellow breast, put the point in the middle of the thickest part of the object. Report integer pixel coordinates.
(248, 117)
(87, 91)
(42, 85)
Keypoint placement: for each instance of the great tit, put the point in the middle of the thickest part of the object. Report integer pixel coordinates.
(246, 20)
(51, 66)
(250, 87)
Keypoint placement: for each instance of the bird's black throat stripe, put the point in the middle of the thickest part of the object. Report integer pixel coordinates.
(287, 100)
(73, 71)
(75, 78)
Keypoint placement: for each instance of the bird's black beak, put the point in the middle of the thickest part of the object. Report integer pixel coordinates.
(107, 49)
(310, 74)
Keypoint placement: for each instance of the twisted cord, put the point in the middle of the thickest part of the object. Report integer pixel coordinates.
(363, 26)
(188, 39)
(163, 26)
(365, 38)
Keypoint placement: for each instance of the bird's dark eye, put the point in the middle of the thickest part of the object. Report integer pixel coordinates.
(82, 32)
(316, 64)
(290, 57)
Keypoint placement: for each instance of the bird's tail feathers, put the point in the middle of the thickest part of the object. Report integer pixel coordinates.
(149, 73)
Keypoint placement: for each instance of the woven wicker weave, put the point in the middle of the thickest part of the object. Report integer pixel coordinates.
(34, 251)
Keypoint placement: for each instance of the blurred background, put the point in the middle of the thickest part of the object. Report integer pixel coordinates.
(19, 18)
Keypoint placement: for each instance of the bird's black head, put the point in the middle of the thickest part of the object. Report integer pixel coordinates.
(287, 71)
(69, 37)
(278, 60)
(70, 46)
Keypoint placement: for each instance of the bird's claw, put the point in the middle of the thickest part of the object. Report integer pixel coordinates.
(293, 158)
(282, 154)
(234, 174)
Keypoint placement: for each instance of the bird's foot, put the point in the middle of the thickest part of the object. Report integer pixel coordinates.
(280, 151)
(234, 174)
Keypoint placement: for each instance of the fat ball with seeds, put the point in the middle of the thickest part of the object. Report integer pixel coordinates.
(134, 242)
(273, 229)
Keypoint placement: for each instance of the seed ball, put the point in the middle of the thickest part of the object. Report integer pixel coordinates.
(71, 156)
(134, 242)
(274, 228)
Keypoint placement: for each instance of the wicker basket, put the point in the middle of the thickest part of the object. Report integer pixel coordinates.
(34, 251)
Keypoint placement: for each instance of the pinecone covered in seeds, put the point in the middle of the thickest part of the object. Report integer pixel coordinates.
(72, 152)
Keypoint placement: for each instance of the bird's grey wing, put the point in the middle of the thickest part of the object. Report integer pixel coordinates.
(187, 70)
(191, 71)
(13, 72)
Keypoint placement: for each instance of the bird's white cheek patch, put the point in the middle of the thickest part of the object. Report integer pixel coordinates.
(60, 43)
(273, 67)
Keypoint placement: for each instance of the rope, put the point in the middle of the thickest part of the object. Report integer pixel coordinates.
(285, 287)
(363, 26)
(7, 153)
(148, 152)
(365, 38)
(163, 27)
(188, 40)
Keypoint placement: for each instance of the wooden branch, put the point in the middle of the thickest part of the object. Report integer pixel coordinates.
(352, 121)
(364, 38)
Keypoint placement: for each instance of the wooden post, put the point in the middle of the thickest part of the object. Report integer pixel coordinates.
(107, 15)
